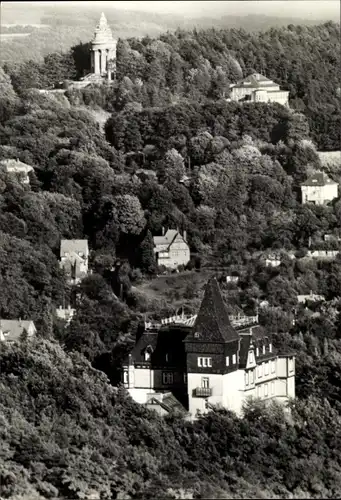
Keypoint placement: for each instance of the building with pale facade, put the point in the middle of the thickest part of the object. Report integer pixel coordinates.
(258, 88)
(171, 249)
(19, 169)
(14, 330)
(319, 189)
(74, 256)
(208, 360)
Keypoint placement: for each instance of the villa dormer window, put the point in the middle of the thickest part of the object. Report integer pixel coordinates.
(257, 352)
(264, 349)
(196, 335)
(148, 352)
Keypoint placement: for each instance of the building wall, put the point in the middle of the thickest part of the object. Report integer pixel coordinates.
(227, 391)
(178, 255)
(319, 194)
(282, 97)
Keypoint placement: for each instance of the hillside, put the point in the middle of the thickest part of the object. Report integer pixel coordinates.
(65, 432)
(227, 173)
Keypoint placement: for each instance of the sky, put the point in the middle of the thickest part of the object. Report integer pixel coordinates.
(311, 9)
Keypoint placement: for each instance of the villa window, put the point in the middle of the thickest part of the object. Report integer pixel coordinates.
(227, 360)
(272, 388)
(266, 390)
(205, 362)
(167, 378)
(266, 369)
(247, 378)
(260, 371)
(273, 366)
(205, 382)
(263, 349)
(234, 359)
(251, 357)
(270, 347)
(125, 377)
(257, 352)
(291, 364)
(259, 391)
(251, 377)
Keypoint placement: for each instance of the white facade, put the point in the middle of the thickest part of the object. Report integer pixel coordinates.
(258, 88)
(319, 195)
(266, 380)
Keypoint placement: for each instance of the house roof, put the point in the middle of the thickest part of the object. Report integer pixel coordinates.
(255, 80)
(163, 242)
(12, 329)
(15, 165)
(318, 179)
(76, 246)
(213, 323)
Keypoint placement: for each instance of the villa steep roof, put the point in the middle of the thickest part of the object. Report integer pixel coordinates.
(212, 323)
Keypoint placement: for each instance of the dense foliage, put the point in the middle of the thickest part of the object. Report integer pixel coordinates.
(66, 432)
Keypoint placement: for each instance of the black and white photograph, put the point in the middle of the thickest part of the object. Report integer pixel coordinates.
(170, 250)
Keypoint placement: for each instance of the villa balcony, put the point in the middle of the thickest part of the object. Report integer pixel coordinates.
(203, 392)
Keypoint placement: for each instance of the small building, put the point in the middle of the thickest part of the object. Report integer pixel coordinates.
(258, 88)
(103, 50)
(171, 249)
(208, 360)
(14, 330)
(313, 297)
(19, 169)
(74, 256)
(66, 314)
(319, 189)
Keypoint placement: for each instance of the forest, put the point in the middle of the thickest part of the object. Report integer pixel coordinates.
(68, 428)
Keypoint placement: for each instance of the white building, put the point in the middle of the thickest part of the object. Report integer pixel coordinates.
(18, 168)
(319, 189)
(103, 50)
(171, 249)
(258, 88)
(74, 256)
(206, 361)
(13, 330)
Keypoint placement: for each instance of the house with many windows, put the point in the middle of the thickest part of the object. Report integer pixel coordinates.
(258, 88)
(209, 359)
(319, 189)
(171, 249)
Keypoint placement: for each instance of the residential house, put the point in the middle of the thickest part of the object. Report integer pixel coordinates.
(74, 255)
(171, 249)
(18, 168)
(258, 88)
(311, 297)
(208, 360)
(319, 189)
(13, 330)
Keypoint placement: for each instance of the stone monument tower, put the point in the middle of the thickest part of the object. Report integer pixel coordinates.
(103, 50)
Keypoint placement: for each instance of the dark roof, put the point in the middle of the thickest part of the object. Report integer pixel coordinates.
(213, 323)
(146, 339)
(318, 179)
